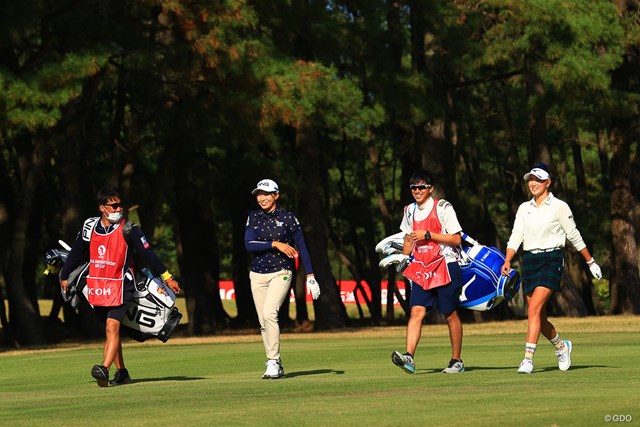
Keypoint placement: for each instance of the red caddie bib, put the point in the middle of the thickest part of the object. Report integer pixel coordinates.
(429, 267)
(108, 254)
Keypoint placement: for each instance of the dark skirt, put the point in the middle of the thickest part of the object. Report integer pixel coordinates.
(542, 269)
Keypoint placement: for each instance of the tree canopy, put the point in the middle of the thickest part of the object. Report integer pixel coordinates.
(185, 105)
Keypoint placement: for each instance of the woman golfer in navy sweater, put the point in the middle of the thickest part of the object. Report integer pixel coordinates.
(270, 234)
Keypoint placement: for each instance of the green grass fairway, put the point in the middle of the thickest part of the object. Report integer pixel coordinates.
(343, 379)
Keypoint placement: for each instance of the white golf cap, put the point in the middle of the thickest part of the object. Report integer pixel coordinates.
(266, 185)
(538, 173)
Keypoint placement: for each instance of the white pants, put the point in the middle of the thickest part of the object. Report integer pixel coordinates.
(269, 291)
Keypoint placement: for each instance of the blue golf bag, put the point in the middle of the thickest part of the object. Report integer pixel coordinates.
(484, 285)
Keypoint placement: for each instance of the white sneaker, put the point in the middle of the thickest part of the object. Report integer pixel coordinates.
(274, 370)
(455, 367)
(564, 356)
(526, 366)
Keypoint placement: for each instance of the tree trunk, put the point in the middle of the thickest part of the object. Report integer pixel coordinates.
(386, 220)
(603, 155)
(247, 314)
(575, 263)
(635, 191)
(581, 278)
(625, 280)
(567, 301)
(367, 259)
(7, 216)
(194, 277)
(23, 315)
(538, 145)
(625, 277)
(479, 221)
(76, 193)
(329, 311)
(200, 258)
(7, 330)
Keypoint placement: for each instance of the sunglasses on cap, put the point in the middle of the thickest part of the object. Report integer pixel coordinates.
(420, 187)
(114, 205)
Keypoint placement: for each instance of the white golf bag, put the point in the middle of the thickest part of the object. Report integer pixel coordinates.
(484, 285)
(151, 313)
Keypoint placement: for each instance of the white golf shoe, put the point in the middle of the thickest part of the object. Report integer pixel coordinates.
(526, 366)
(564, 355)
(274, 370)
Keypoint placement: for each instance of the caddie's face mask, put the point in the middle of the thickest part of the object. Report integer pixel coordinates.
(113, 211)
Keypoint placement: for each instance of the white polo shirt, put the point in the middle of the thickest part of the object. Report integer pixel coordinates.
(544, 227)
(446, 215)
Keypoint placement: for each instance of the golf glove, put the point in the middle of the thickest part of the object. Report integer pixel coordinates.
(313, 287)
(595, 269)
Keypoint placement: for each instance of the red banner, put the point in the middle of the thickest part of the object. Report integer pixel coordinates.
(348, 292)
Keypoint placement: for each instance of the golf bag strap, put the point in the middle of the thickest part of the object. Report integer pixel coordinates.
(91, 223)
(126, 231)
(441, 205)
(88, 226)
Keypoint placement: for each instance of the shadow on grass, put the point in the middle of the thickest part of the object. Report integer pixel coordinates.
(315, 372)
(509, 368)
(424, 371)
(176, 378)
(491, 368)
(572, 368)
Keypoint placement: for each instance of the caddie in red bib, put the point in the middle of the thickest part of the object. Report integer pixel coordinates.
(107, 244)
(432, 237)
(108, 253)
(429, 267)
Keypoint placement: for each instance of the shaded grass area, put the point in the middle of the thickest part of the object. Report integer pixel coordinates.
(232, 310)
(343, 378)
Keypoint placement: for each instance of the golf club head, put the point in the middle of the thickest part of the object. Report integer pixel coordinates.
(392, 260)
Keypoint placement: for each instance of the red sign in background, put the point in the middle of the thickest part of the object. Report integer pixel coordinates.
(348, 292)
